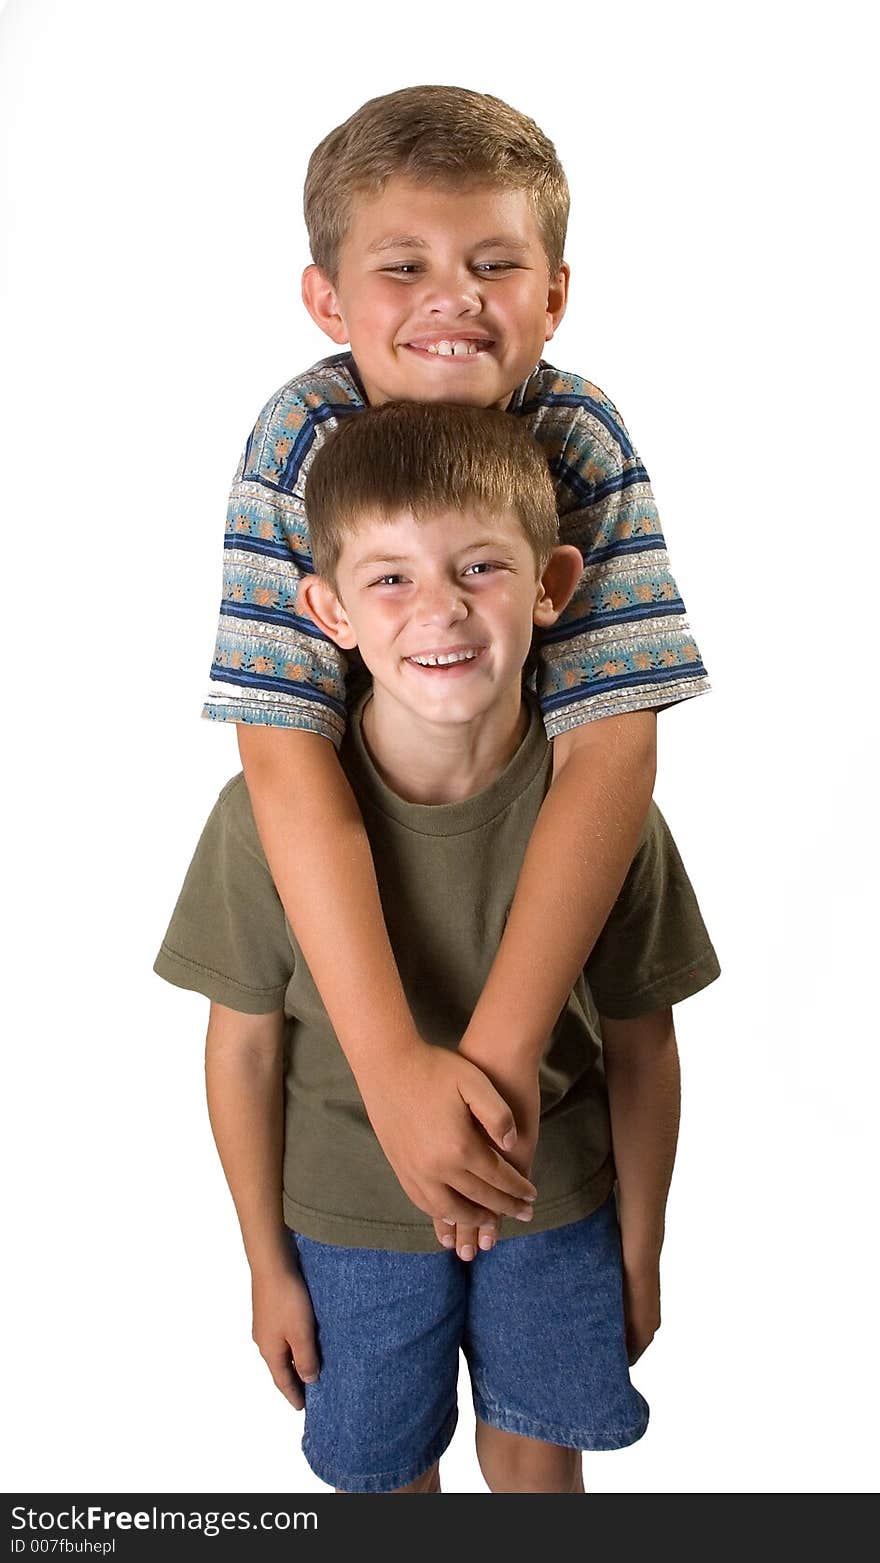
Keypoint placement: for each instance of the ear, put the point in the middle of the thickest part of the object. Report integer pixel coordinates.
(557, 298)
(319, 297)
(556, 587)
(320, 601)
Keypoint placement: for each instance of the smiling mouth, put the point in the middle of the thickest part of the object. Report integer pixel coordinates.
(443, 661)
(452, 347)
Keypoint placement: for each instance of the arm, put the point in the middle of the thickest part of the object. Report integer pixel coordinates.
(589, 826)
(267, 658)
(578, 856)
(243, 1073)
(642, 1076)
(422, 1101)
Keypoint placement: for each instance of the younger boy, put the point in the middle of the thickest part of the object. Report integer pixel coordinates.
(434, 537)
(437, 221)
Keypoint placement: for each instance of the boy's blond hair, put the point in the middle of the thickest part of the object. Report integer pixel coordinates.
(443, 135)
(423, 458)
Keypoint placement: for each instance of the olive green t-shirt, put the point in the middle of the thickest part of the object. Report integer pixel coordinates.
(447, 875)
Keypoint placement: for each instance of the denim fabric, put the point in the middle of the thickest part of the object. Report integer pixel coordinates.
(540, 1321)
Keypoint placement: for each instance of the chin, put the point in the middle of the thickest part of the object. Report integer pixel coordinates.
(455, 716)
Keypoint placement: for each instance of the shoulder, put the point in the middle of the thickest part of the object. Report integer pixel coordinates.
(569, 412)
(293, 418)
(234, 818)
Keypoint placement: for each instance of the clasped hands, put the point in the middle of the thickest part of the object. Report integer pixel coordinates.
(459, 1130)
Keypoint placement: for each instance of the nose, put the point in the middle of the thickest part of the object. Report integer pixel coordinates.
(454, 290)
(441, 602)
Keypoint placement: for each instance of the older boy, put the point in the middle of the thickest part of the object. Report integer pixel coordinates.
(434, 535)
(437, 221)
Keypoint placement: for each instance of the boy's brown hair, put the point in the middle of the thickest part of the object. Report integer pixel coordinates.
(443, 135)
(425, 457)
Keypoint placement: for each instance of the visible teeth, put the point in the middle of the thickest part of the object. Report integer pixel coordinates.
(444, 660)
(454, 349)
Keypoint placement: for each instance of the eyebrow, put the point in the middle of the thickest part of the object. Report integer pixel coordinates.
(501, 241)
(398, 241)
(410, 241)
(369, 561)
(500, 544)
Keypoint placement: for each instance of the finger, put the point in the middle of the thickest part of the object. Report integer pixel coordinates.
(489, 1108)
(487, 1236)
(281, 1368)
(305, 1356)
(458, 1211)
(470, 1241)
(492, 1199)
(466, 1239)
(443, 1233)
(499, 1173)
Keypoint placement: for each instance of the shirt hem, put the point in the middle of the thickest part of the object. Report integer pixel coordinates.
(405, 1237)
(308, 718)
(663, 992)
(652, 697)
(186, 973)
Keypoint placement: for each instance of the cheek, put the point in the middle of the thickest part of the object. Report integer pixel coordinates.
(386, 621)
(529, 310)
(378, 303)
(511, 617)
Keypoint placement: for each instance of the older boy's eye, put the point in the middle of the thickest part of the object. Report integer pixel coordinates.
(403, 269)
(494, 266)
(387, 580)
(482, 567)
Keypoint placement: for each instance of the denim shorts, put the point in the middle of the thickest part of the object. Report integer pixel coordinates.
(539, 1319)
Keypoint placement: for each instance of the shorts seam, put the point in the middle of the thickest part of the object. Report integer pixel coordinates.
(384, 1481)
(568, 1438)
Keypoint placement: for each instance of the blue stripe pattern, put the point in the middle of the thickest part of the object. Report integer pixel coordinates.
(593, 493)
(283, 685)
(600, 686)
(590, 405)
(246, 610)
(606, 510)
(600, 620)
(259, 545)
(306, 438)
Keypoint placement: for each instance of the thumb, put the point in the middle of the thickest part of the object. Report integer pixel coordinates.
(304, 1351)
(488, 1106)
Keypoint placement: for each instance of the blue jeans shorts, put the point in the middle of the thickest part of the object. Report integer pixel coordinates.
(539, 1319)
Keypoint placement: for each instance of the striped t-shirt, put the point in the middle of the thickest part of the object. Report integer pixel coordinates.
(622, 644)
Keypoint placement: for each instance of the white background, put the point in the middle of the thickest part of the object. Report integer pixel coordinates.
(718, 158)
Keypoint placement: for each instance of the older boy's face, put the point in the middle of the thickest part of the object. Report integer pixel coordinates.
(445, 295)
(441, 610)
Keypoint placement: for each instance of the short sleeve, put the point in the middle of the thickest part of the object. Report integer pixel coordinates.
(624, 642)
(228, 937)
(655, 949)
(272, 666)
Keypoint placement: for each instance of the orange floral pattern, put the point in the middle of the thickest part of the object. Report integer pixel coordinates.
(622, 644)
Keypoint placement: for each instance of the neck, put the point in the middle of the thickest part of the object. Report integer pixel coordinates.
(428, 762)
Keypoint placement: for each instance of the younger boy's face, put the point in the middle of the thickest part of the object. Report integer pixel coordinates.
(444, 295)
(460, 586)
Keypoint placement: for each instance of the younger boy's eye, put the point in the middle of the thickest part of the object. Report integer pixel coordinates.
(403, 269)
(494, 266)
(481, 567)
(387, 580)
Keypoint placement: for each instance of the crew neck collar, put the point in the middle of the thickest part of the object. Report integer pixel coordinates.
(449, 819)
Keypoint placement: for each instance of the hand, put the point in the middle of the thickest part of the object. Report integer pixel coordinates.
(427, 1118)
(518, 1081)
(284, 1331)
(641, 1307)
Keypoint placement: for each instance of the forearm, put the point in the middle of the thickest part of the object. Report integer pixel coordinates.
(578, 856)
(643, 1082)
(319, 854)
(244, 1079)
